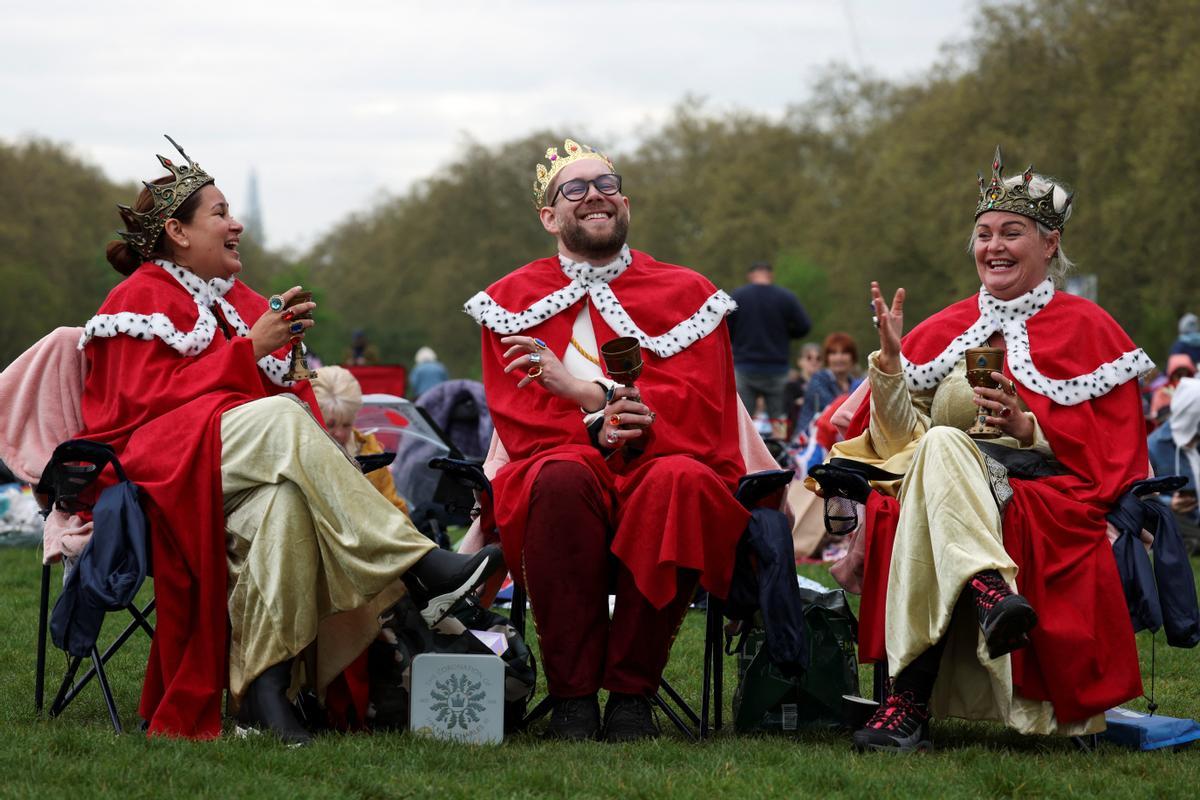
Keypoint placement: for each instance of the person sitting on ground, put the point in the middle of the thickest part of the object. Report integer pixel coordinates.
(264, 535)
(427, 373)
(609, 488)
(1188, 342)
(339, 395)
(839, 355)
(807, 365)
(1179, 366)
(980, 519)
(361, 352)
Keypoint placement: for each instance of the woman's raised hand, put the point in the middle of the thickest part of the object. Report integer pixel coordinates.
(890, 322)
(274, 329)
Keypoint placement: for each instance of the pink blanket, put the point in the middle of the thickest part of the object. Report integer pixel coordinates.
(40, 394)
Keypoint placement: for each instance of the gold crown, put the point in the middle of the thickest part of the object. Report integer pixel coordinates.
(574, 152)
(143, 229)
(995, 196)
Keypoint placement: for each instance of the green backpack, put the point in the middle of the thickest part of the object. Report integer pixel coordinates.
(767, 700)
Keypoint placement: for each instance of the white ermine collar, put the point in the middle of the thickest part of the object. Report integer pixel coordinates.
(195, 341)
(590, 280)
(1008, 317)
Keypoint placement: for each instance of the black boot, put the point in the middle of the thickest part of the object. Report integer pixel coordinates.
(574, 719)
(1006, 617)
(441, 578)
(628, 718)
(265, 705)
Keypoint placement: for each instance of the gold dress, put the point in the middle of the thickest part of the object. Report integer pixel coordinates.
(949, 529)
(314, 551)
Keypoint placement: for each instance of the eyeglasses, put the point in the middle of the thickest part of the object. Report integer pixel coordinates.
(577, 189)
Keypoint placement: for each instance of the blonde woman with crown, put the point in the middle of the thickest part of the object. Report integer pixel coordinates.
(998, 597)
(272, 554)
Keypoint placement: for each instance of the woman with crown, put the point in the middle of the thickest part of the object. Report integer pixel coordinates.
(266, 539)
(976, 523)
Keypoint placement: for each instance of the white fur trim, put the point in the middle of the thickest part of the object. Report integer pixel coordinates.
(1009, 317)
(195, 341)
(593, 281)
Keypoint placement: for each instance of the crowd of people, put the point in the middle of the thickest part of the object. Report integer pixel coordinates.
(622, 390)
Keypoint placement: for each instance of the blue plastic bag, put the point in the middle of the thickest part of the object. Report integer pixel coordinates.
(1139, 731)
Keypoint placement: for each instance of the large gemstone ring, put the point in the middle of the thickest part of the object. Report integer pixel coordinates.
(275, 303)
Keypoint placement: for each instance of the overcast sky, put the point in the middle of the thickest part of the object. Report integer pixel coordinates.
(336, 104)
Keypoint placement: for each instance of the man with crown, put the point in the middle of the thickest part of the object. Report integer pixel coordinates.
(626, 489)
(990, 586)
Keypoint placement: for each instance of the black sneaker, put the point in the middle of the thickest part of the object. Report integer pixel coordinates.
(574, 719)
(628, 718)
(441, 578)
(901, 725)
(1006, 617)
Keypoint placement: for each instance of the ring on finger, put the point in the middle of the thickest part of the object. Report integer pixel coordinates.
(535, 358)
(296, 327)
(539, 344)
(611, 437)
(276, 303)
(1010, 388)
(535, 372)
(288, 316)
(1006, 411)
(615, 420)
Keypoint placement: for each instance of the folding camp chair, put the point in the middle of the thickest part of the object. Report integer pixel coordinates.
(752, 490)
(72, 470)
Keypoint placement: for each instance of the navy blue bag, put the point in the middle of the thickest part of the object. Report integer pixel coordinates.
(110, 570)
(1162, 594)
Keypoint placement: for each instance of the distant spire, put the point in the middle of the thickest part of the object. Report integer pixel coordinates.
(252, 218)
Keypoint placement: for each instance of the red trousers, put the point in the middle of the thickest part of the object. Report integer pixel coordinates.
(569, 571)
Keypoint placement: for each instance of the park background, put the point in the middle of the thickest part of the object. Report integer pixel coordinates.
(857, 172)
(857, 177)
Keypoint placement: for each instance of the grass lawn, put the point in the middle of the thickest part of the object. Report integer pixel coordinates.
(78, 752)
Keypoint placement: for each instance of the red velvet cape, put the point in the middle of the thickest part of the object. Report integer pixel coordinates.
(1083, 656)
(692, 392)
(161, 411)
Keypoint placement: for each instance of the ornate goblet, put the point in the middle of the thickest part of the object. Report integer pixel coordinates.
(981, 363)
(298, 369)
(623, 361)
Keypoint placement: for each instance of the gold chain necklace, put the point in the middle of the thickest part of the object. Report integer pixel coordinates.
(575, 343)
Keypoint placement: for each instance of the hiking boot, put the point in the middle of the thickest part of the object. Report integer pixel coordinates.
(265, 706)
(628, 718)
(901, 725)
(574, 719)
(1005, 616)
(442, 578)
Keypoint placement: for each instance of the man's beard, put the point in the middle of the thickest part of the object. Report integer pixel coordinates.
(595, 247)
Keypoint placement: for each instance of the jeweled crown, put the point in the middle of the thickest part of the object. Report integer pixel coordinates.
(995, 196)
(143, 229)
(572, 152)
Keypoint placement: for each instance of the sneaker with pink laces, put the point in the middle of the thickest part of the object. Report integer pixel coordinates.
(901, 725)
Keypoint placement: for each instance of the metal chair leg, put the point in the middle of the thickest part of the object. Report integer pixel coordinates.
(139, 621)
(59, 704)
(102, 679)
(675, 697)
(718, 663)
(677, 720)
(39, 686)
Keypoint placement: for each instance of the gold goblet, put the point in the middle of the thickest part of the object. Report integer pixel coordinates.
(298, 368)
(981, 363)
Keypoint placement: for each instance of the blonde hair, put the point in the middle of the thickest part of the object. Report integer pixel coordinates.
(338, 394)
(1040, 185)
